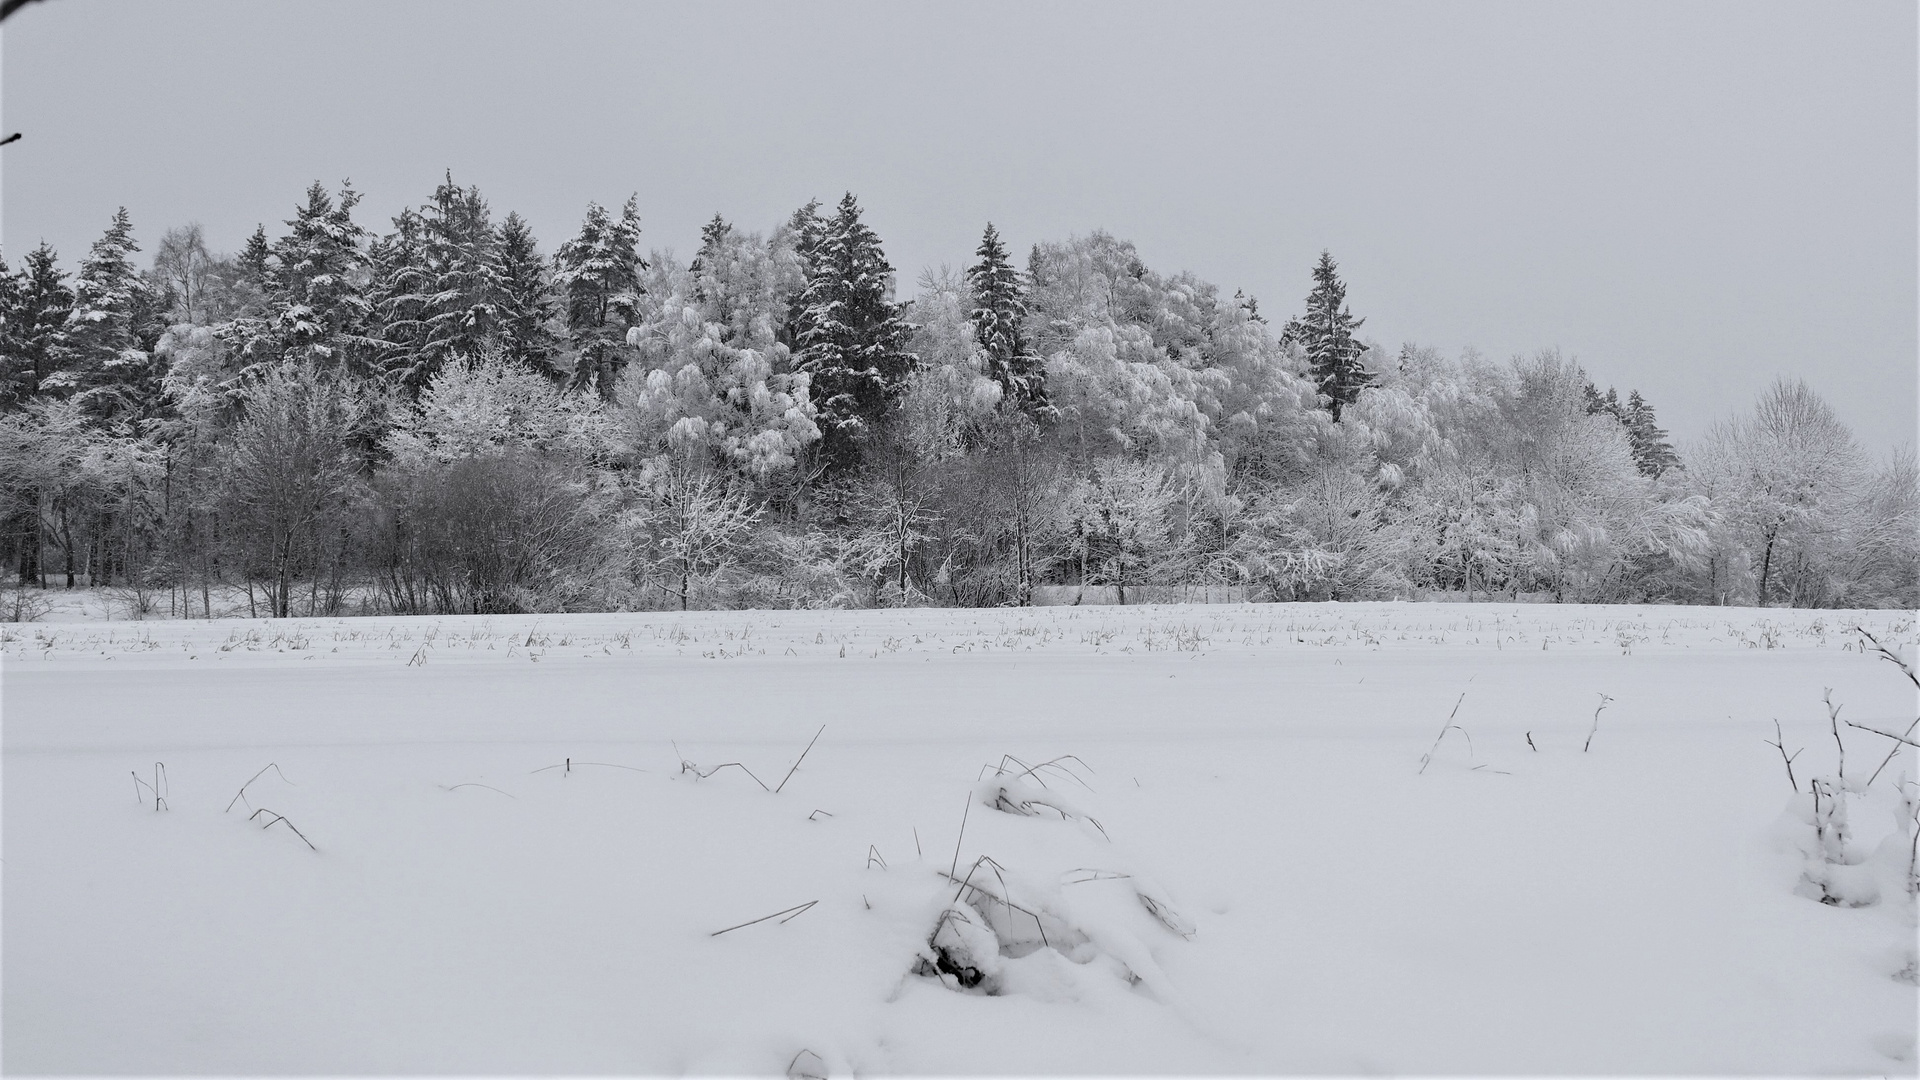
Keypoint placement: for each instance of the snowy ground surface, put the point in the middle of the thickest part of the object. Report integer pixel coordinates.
(516, 868)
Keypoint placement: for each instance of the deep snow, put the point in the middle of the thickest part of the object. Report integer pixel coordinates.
(1318, 904)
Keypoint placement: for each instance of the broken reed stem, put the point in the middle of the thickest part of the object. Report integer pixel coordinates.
(239, 796)
(570, 763)
(1779, 743)
(158, 787)
(796, 764)
(471, 783)
(963, 835)
(281, 819)
(1033, 770)
(1427, 759)
(791, 913)
(733, 765)
(1604, 699)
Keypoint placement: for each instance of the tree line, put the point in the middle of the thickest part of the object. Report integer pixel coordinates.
(440, 418)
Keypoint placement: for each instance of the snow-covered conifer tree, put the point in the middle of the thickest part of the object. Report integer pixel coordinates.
(852, 335)
(999, 318)
(1652, 453)
(526, 305)
(439, 283)
(1325, 334)
(318, 309)
(108, 361)
(598, 275)
(37, 330)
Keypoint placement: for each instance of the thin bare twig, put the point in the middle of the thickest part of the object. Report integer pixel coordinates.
(1885, 734)
(1890, 655)
(955, 869)
(689, 767)
(1427, 758)
(1033, 770)
(1604, 700)
(240, 796)
(791, 913)
(1890, 754)
(570, 763)
(796, 764)
(1833, 721)
(281, 819)
(1779, 743)
(158, 787)
(472, 783)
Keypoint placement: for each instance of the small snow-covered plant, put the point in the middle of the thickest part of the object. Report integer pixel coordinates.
(1829, 876)
(1829, 817)
(1026, 792)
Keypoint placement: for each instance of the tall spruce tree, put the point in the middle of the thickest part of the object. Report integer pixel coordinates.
(318, 308)
(526, 305)
(1652, 453)
(438, 284)
(37, 331)
(1325, 334)
(111, 314)
(400, 291)
(597, 273)
(999, 325)
(804, 228)
(852, 335)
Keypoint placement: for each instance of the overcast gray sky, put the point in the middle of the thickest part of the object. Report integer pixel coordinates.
(1690, 198)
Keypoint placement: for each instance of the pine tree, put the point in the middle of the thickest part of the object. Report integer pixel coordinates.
(526, 307)
(852, 335)
(318, 307)
(37, 331)
(1325, 334)
(598, 275)
(1652, 453)
(999, 321)
(110, 369)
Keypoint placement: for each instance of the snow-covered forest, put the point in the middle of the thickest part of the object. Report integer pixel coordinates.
(442, 416)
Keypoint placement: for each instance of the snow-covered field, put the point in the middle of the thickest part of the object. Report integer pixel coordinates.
(1254, 860)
